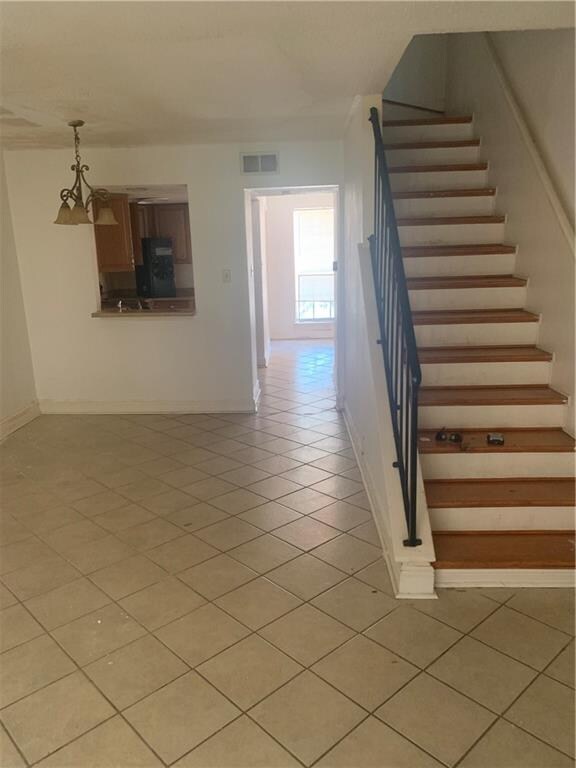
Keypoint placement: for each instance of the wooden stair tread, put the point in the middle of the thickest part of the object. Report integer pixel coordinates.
(438, 167)
(427, 221)
(506, 549)
(444, 144)
(442, 120)
(465, 281)
(509, 394)
(501, 354)
(519, 440)
(479, 249)
(425, 193)
(501, 492)
(472, 316)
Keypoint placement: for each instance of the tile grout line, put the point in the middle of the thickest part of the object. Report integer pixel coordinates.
(499, 715)
(113, 600)
(264, 574)
(90, 682)
(143, 552)
(14, 744)
(502, 715)
(80, 670)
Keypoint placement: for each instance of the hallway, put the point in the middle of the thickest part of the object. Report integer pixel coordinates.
(207, 591)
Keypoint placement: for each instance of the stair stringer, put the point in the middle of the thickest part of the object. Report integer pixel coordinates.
(410, 568)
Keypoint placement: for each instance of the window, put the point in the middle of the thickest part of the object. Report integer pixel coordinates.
(314, 264)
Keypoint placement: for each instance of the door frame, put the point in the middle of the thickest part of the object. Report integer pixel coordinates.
(339, 294)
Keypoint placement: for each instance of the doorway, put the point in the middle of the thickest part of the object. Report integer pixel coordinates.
(293, 247)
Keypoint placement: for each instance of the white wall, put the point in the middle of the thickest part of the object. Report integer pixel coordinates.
(545, 252)
(358, 398)
(87, 364)
(420, 75)
(17, 389)
(540, 68)
(279, 217)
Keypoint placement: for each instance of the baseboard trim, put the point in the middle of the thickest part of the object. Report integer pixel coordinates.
(410, 580)
(11, 424)
(505, 577)
(145, 406)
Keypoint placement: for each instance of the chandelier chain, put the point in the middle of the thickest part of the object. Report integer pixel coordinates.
(77, 146)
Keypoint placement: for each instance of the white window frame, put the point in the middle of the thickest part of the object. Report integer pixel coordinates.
(297, 319)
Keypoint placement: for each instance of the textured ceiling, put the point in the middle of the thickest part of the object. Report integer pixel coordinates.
(185, 72)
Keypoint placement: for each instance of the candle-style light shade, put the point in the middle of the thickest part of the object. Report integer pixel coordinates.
(79, 214)
(105, 217)
(64, 215)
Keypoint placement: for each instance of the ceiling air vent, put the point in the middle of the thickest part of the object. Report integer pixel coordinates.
(264, 163)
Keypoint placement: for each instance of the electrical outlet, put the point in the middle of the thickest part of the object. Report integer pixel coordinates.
(226, 275)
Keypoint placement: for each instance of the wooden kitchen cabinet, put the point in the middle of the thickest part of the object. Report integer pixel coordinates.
(114, 243)
(172, 220)
(120, 248)
(142, 225)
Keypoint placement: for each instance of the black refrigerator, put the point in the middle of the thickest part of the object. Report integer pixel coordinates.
(155, 276)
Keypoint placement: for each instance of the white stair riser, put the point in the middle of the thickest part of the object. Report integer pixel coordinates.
(451, 234)
(451, 131)
(436, 266)
(450, 466)
(432, 155)
(438, 180)
(503, 519)
(479, 205)
(470, 374)
(511, 578)
(462, 416)
(468, 298)
(476, 334)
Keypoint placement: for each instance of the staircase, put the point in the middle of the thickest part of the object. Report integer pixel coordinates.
(491, 506)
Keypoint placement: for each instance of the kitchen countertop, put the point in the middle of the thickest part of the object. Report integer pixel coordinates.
(114, 312)
(157, 307)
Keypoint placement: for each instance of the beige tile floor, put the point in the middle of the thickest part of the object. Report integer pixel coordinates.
(208, 591)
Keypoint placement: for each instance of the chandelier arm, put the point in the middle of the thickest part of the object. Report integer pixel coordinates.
(98, 194)
(81, 176)
(76, 188)
(95, 193)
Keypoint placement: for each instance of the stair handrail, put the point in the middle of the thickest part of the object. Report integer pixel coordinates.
(397, 337)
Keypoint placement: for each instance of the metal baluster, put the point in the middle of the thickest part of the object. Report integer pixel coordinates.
(398, 340)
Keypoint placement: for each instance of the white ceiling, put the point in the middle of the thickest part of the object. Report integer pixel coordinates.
(186, 72)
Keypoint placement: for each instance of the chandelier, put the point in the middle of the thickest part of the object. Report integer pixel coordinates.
(78, 214)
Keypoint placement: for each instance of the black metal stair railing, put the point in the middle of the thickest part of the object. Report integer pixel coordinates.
(397, 336)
